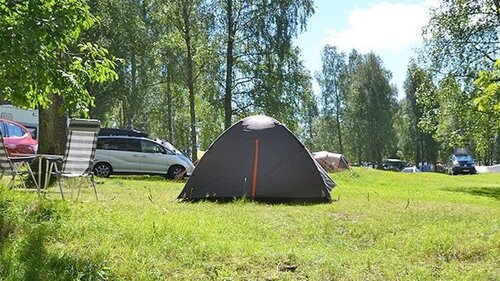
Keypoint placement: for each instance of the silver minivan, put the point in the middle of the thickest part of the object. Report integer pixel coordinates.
(127, 155)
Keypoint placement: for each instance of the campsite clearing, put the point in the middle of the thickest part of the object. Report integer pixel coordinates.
(384, 225)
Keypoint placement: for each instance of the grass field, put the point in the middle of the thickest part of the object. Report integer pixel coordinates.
(381, 226)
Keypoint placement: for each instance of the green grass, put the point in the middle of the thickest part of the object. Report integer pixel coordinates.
(382, 226)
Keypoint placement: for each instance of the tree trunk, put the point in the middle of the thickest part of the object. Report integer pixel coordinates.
(130, 114)
(337, 120)
(228, 111)
(339, 134)
(169, 107)
(310, 125)
(192, 113)
(142, 98)
(190, 79)
(419, 150)
(53, 125)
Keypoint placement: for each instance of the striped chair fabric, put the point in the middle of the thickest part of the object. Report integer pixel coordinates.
(80, 150)
(80, 146)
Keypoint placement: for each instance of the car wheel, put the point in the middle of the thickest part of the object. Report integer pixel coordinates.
(102, 170)
(175, 171)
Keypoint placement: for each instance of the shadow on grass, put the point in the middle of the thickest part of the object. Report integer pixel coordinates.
(493, 192)
(36, 263)
(23, 247)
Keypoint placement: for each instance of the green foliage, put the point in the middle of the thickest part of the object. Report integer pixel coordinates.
(461, 41)
(261, 69)
(488, 83)
(332, 99)
(416, 144)
(41, 54)
(384, 225)
(309, 111)
(371, 105)
(159, 75)
(357, 107)
(462, 36)
(487, 101)
(452, 114)
(453, 118)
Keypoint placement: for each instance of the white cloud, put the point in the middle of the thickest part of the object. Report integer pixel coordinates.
(382, 26)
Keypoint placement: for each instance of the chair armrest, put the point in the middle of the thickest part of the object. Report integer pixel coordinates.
(19, 159)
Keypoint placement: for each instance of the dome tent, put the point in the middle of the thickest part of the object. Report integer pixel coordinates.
(331, 162)
(260, 159)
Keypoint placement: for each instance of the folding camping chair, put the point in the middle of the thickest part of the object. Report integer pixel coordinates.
(78, 159)
(16, 166)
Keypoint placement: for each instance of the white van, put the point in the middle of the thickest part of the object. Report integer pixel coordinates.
(127, 155)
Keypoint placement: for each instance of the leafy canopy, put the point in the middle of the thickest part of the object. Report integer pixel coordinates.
(41, 53)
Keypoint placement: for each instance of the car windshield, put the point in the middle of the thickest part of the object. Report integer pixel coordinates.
(169, 146)
(464, 158)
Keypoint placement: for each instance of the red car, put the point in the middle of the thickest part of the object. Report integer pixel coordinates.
(16, 138)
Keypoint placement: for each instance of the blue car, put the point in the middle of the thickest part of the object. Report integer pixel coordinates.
(461, 162)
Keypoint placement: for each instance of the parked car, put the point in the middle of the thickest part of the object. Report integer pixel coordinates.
(138, 155)
(461, 162)
(17, 138)
(392, 165)
(412, 169)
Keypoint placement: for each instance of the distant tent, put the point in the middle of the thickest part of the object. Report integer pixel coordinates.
(488, 169)
(331, 162)
(260, 159)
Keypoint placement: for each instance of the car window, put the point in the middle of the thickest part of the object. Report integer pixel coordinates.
(105, 144)
(151, 147)
(14, 130)
(129, 145)
(33, 131)
(119, 144)
(170, 152)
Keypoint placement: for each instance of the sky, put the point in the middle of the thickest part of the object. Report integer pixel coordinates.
(391, 28)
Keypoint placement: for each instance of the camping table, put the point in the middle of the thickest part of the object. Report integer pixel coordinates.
(50, 160)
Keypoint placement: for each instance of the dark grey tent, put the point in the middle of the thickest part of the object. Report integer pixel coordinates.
(260, 159)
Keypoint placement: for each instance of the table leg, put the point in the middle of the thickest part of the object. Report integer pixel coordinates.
(39, 170)
(47, 175)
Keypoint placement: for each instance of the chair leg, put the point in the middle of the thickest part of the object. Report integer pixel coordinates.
(48, 173)
(93, 186)
(70, 181)
(79, 188)
(60, 187)
(23, 183)
(12, 181)
(34, 180)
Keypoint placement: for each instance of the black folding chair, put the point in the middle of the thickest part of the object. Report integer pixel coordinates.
(16, 167)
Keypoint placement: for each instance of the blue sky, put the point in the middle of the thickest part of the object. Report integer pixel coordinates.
(390, 28)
